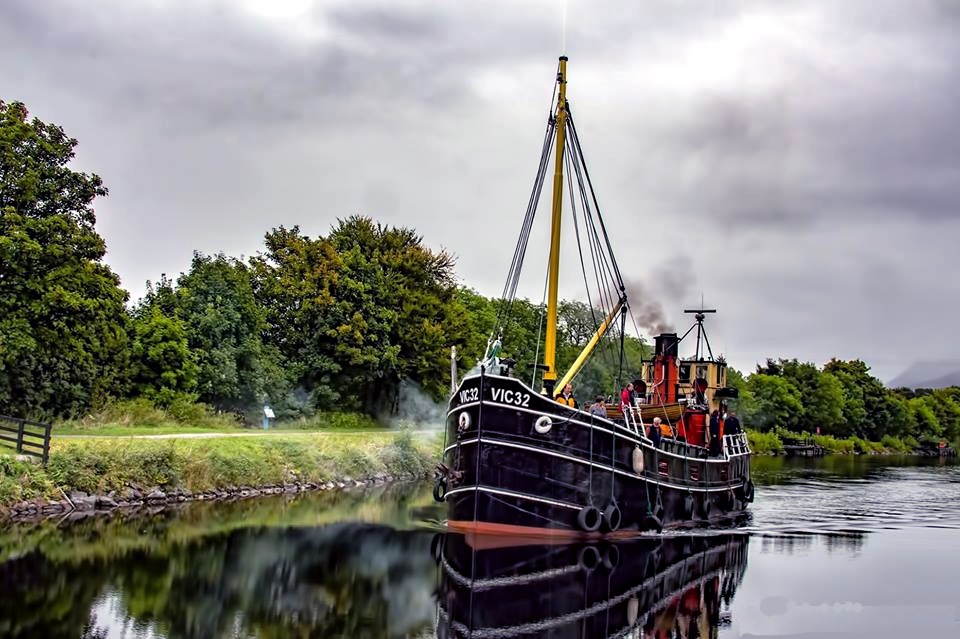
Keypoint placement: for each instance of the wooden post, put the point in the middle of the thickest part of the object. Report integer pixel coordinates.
(46, 443)
(20, 424)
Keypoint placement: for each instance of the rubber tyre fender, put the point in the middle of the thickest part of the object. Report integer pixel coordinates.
(612, 517)
(652, 522)
(689, 506)
(748, 491)
(439, 489)
(589, 519)
(707, 507)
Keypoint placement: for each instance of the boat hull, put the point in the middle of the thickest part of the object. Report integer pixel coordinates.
(517, 461)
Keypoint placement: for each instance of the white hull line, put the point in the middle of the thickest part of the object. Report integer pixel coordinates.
(577, 460)
(510, 493)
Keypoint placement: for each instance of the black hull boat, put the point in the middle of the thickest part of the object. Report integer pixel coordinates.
(523, 461)
(517, 462)
(645, 587)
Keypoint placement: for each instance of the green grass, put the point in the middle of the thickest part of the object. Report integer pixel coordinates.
(141, 417)
(99, 465)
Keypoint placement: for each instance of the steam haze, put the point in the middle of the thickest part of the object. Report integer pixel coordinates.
(795, 163)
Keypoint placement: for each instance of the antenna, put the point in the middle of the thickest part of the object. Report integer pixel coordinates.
(699, 316)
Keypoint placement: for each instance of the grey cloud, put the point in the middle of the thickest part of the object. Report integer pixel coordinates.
(818, 171)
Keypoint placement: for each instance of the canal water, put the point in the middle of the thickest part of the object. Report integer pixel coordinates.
(847, 546)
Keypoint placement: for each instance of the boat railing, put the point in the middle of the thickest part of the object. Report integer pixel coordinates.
(736, 444)
(633, 418)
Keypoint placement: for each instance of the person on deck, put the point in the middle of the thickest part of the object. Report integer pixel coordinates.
(566, 397)
(665, 429)
(716, 433)
(599, 407)
(731, 424)
(626, 395)
(653, 431)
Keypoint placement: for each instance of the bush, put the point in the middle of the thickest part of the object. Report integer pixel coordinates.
(338, 421)
(21, 481)
(764, 443)
(893, 443)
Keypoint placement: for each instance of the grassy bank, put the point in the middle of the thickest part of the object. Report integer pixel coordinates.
(772, 444)
(141, 417)
(98, 466)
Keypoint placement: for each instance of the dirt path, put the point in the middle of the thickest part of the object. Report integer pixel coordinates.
(279, 433)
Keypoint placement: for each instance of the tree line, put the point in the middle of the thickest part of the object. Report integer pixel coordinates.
(843, 399)
(334, 322)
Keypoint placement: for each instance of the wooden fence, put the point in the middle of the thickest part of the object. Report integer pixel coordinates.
(27, 437)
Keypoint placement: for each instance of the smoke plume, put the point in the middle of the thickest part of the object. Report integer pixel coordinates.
(416, 409)
(668, 284)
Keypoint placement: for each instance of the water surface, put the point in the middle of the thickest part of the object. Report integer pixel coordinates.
(845, 546)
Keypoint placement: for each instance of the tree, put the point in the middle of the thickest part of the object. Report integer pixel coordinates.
(63, 337)
(359, 311)
(824, 404)
(866, 408)
(164, 366)
(772, 402)
(224, 326)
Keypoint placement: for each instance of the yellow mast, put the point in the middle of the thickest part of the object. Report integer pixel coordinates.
(553, 274)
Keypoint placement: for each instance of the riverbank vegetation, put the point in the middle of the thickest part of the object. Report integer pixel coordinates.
(120, 466)
(346, 328)
(844, 407)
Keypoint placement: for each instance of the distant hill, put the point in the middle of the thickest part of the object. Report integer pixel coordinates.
(928, 375)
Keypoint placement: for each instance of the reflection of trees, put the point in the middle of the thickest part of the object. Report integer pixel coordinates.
(342, 580)
(41, 599)
(353, 580)
(789, 543)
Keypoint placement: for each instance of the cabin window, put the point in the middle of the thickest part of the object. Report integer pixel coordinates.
(684, 372)
(701, 372)
(719, 375)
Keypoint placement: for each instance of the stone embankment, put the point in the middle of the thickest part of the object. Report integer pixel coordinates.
(78, 504)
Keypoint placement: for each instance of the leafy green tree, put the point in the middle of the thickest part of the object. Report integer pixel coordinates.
(925, 423)
(872, 420)
(294, 280)
(359, 311)
(224, 327)
(164, 367)
(772, 402)
(63, 338)
(824, 404)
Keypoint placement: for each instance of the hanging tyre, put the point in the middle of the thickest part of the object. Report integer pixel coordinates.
(688, 506)
(589, 518)
(707, 506)
(612, 518)
(439, 489)
(748, 491)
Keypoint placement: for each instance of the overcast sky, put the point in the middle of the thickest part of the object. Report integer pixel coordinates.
(797, 164)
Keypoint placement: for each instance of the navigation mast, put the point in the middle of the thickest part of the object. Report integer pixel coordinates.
(553, 273)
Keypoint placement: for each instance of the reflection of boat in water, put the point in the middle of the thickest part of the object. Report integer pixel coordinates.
(645, 587)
